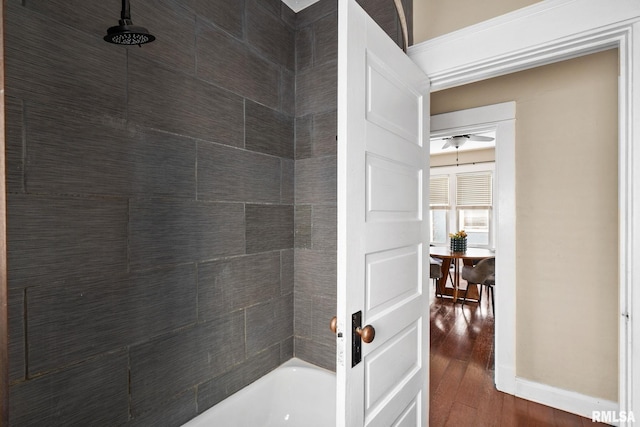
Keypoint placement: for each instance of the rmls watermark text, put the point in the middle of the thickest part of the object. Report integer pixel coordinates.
(612, 417)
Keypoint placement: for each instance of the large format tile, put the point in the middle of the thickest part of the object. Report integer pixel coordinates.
(312, 315)
(316, 89)
(319, 354)
(239, 69)
(176, 411)
(226, 14)
(269, 323)
(287, 15)
(287, 183)
(268, 131)
(324, 308)
(316, 11)
(68, 322)
(235, 283)
(287, 350)
(52, 238)
(170, 232)
(70, 153)
(268, 33)
(325, 134)
(173, 25)
(164, 99)
(269, 227)
(315, 273)
(303, 226)
(15, 132)
(224, 385)
(316, 180)
(51, 62)
(324, 232)
(93, 393)
(304, 48)
(17, 348)
(286, 271)
(228, 174)
(325, 41)
(172, 364)
(74, 13)
(304, 137)
(288, 92)
(317, 135)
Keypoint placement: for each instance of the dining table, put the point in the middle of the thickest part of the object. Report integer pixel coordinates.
(468, 257)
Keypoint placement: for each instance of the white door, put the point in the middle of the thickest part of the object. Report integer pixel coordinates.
(383, 163)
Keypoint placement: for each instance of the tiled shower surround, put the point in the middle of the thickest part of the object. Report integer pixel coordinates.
(171, 208)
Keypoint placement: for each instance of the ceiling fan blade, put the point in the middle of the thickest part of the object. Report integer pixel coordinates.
(447, 144)
(480, 138)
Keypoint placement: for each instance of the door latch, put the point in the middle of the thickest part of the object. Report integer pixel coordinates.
(356, 339)
(358, 335)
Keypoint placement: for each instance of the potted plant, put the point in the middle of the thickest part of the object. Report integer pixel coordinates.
(458, 241)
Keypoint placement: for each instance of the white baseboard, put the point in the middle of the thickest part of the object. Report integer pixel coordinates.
(505, 378)
(564, 400)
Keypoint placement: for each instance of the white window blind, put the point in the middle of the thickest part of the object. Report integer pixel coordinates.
(474, 189)
(439, 190)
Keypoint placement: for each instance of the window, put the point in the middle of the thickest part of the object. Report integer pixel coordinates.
(461, 198)
(474, 205)
(439, 208)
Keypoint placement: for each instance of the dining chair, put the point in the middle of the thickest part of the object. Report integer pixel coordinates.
(481, 274)
(490, 282)
(435, 272)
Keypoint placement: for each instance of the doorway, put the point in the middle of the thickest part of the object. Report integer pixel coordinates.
(498, 118)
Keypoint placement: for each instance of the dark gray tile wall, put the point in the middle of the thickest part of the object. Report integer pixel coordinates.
(92, 393)
(120, 310)
(233, 175)
(219, 387)
(316, 183)
(269, 227)
(168, 365)
(150, 208)
(316, 180)
(171, 208)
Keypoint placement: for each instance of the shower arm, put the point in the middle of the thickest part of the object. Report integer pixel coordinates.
(125, 14)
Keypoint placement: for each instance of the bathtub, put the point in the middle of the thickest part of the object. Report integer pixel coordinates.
(296, 394)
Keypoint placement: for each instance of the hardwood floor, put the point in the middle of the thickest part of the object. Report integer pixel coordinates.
(462, 392)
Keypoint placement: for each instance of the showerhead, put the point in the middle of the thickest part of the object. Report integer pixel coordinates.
(126, 33)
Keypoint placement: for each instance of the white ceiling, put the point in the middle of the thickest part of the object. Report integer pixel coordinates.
(437, 143)
(298, 5)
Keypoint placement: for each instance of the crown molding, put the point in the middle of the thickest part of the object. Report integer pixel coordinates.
(531, 36)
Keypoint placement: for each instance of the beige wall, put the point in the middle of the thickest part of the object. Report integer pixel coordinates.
(566, 204)
(437, 17)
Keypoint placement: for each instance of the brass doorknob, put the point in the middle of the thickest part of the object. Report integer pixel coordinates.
(368, 333)
(333, 324)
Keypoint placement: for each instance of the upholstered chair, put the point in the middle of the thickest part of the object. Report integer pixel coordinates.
(482, 274)
(435, 272)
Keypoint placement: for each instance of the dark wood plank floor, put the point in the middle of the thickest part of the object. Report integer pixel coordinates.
(462, 393)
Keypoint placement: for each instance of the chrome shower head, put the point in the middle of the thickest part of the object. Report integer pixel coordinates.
(126, 33)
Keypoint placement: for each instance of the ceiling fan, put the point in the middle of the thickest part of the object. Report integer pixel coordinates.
(458, 141)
